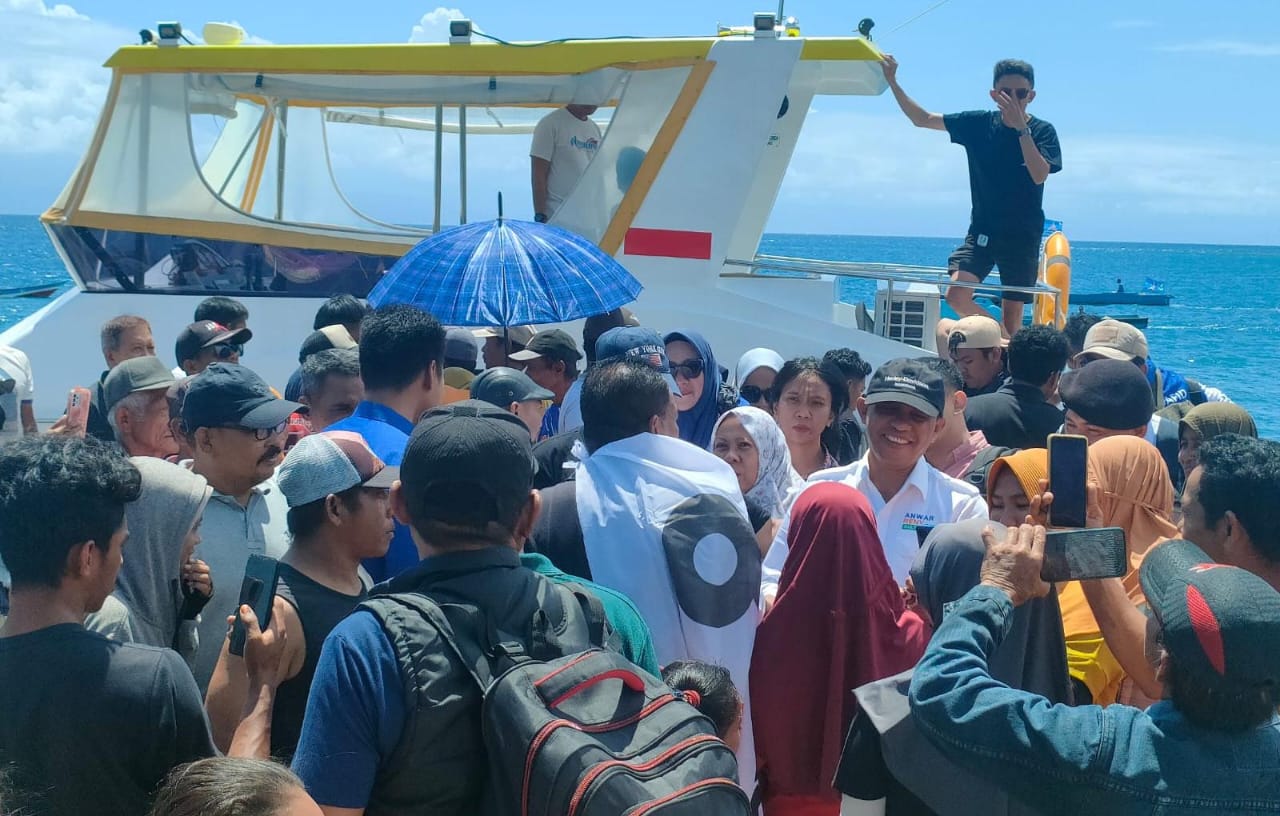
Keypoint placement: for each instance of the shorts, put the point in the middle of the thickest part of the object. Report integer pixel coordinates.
(1018, 258)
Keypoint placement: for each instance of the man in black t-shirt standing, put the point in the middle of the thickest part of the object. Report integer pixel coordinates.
(1011, 153)
(92, 725)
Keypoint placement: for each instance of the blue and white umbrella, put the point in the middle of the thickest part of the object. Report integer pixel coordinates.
(507, 273)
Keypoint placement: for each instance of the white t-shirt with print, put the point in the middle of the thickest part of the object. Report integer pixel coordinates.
(570, 144)
(928, 498)
(14, 366)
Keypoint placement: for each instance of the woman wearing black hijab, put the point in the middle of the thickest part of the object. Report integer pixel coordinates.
(889, 767)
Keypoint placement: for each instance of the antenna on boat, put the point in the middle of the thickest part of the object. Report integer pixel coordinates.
(499, 207)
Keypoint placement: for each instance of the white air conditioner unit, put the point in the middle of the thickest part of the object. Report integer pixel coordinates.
(911, 315)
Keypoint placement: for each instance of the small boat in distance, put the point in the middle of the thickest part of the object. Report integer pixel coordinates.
(1151, 294)
(43, 291)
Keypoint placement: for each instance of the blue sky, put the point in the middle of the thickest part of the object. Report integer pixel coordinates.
(1166, 111)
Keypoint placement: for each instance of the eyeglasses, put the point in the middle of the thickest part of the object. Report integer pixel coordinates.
(225, 351)
(260, 434)
(1021, 93)
(689, 369)
(751, 393)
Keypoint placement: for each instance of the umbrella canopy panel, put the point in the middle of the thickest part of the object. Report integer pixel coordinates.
(506, 273)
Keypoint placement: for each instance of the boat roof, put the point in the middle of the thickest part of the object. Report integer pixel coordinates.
(559, 57)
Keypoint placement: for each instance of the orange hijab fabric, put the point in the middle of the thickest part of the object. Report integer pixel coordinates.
(1137, 496)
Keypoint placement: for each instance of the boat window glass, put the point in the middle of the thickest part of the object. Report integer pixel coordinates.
(315, 184)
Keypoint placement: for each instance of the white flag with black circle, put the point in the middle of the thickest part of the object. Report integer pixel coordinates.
(664, 522)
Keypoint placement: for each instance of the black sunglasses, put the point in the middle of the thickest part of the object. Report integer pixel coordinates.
(260, 434)
(691, 369)
(226, 351)
(751, 393)
(1021, 93)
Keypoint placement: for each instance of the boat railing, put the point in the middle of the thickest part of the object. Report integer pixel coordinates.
(890, 273)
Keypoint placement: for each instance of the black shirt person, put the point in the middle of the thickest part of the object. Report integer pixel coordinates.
(1011, 154)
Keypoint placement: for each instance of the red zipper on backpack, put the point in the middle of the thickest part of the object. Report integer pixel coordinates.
(596, 772)
(538, 683)
(718, 782)
(547, 730)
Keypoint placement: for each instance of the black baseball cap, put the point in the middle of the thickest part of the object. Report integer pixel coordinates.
(639, 344)
(502, 386)
(473, 445)
(229, 395)
(554, 344)
(205, 334)
(1219, 622)
(909, 382)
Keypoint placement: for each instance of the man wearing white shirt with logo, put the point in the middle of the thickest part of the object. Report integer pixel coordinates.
(902, 408)
(564, 143)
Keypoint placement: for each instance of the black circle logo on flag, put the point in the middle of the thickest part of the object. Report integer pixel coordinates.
(713, 523)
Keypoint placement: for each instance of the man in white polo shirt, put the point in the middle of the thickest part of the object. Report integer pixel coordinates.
(902, 408)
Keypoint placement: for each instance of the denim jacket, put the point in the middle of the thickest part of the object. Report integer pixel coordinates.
(1084, 759)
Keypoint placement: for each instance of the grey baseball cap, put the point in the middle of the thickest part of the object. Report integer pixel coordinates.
(138, 374)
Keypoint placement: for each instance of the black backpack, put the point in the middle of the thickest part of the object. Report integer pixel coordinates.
(589, 734)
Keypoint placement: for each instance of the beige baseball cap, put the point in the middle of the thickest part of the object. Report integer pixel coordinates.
(1115, 341)
(975, 332)
(517, 334)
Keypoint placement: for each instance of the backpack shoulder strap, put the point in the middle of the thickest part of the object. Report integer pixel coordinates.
(597, 620)
(471, 655)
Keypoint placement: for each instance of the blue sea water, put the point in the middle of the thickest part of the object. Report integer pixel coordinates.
(1220, 328)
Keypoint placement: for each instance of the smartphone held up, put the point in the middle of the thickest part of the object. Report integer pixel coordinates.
(1068, 479)
(258, 591)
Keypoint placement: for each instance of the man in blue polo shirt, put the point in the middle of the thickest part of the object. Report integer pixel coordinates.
(401, 362)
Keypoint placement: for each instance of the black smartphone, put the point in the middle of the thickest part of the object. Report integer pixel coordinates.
(1083, 555)
(258, 590)
(1068, 474)
(922, 534)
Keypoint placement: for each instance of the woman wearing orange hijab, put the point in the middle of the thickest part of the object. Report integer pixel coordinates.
(1136, 495)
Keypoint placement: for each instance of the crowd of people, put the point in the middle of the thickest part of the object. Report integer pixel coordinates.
(837, 565)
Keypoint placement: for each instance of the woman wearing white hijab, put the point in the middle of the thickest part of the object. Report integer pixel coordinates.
(756, 372)
(751, 443)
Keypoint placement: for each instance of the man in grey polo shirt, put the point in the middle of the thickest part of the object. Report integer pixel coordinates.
(236, 428)
(136, 408)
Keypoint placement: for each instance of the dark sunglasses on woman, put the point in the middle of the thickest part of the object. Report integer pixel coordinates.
(690, 369)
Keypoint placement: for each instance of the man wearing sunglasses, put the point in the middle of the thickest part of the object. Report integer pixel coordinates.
(236, 428)
(1011, 154)
(206, 342)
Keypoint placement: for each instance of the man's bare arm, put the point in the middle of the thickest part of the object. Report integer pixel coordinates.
(540, 172)
(1124, 628)
(918, 115)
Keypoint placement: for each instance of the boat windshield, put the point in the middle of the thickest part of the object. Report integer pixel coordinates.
(253, 182)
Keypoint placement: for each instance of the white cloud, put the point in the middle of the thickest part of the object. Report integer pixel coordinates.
(434, 25)
(38, 7)
(1225, 48)
(870, 174)
(52, 83)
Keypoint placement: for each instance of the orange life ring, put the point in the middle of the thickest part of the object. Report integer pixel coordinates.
(1055, 270)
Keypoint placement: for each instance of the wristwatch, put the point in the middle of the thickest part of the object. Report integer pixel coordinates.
(1025, 130)
(541, 218)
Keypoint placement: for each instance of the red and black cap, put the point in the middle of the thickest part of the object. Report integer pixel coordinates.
(1221, 623)
(205, 334)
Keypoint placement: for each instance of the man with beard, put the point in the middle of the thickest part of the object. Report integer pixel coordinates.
(236, 428)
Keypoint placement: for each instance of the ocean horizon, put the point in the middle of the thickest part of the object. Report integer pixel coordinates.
(1202, 334)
